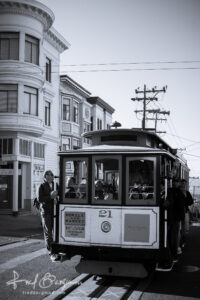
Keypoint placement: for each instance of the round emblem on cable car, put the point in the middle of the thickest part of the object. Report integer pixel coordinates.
(105, 226)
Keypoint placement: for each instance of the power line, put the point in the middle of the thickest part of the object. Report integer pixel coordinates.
(134, 63)
(118, 63)
(184, 138)
(131, 69)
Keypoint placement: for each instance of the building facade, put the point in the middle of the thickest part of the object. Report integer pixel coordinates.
(40, 112)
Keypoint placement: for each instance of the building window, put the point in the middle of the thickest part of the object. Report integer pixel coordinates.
(25, 147)
(9, 45)
(99, 124)
(65, 143)
(76, 144)
(8, 98)
(86, 129)
(30, 101)
(6, 146)
(66, 109)
(75, 112)
(108, 126)
(91, 125)
(48, 69)
(38, 150)
(47, 113)
(31, 50)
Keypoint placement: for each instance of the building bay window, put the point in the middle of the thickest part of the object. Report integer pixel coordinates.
(6, 146)
(38, 150)
(9, 45)
(75, 112)
(30, 101)
(66, 109)
(31, 49)
(8, 98)
(66, 145)
(25, 147)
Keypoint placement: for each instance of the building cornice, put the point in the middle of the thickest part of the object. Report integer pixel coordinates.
(56, 39)
(30, 8)
(101, 103)
(74, 85)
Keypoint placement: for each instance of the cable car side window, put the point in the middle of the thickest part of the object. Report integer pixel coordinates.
(141, 179)
(106, 180)
(75, 176)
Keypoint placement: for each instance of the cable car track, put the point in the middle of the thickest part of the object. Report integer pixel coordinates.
(88, 286)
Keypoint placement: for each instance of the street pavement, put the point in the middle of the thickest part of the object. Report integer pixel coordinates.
(182, 283)
(21, 227)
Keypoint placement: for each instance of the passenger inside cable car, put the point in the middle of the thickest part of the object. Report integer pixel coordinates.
(106, 179)
(71, 190)
(141, 179)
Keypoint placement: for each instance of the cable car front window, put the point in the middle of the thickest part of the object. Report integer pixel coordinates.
(141, 181)
(75, 183)
(106, 175)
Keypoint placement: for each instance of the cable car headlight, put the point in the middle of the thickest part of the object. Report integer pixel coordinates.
(105, 226)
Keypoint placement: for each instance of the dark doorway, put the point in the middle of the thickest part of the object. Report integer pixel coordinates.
(6, 184)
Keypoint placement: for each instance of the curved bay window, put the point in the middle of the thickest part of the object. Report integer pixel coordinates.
(107, 180)
(75, 176)
(140, 186)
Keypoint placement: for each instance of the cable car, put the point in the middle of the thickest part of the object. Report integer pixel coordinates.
(111, 210)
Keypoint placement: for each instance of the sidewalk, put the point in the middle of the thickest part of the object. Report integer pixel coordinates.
(13, 229)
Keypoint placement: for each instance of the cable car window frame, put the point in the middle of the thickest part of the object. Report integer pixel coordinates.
(74, 200)
(113, 201)
(144, 202)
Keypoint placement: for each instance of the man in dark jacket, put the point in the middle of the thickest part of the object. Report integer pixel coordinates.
(47, 196)
(187, 202)
(176, 214)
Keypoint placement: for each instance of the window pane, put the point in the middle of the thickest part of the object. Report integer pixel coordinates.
(4, 49)
(26, 105)
(34, 105)
(27, 51)
(75, 188)
(35, 54)
(141, 180)
(106, 180)
(5, 146)
(3, 101)
(47, 113)
(14, 49)
(12, 101)
(10, 146)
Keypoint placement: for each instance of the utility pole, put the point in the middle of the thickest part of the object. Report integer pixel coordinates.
(145, 99)
(156, 119)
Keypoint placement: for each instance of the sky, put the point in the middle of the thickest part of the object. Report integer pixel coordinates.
(118, 46)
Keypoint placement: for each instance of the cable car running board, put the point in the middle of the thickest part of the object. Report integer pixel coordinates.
(111, 268)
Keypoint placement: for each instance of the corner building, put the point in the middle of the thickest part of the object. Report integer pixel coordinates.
(34, 102)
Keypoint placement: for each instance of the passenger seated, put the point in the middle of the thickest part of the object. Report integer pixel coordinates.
(109, 192)
(70, 191)
(135, 192)
(82, 188)
(99, 190)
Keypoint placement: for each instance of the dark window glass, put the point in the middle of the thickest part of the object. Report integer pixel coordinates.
(141, 181)
(75, 189)
(30, 101)
(48, 69)
(31, 50)
(8, 98)
(9, 45)
(47, 113)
